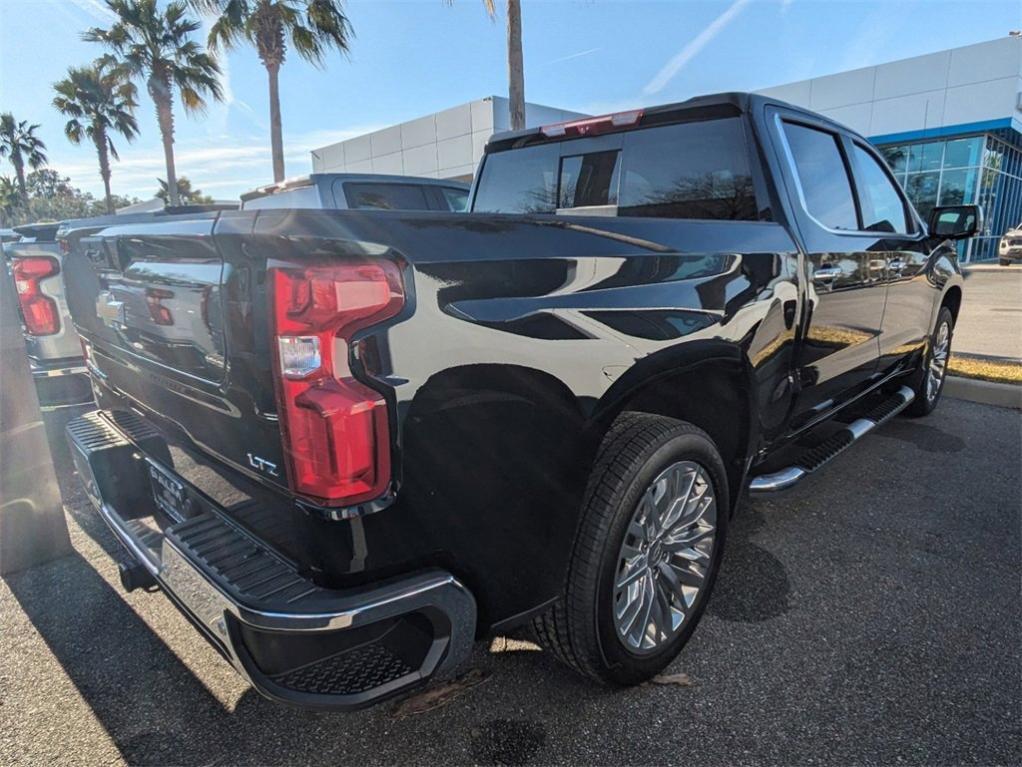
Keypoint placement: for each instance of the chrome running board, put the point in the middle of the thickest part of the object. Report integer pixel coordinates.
(832, 447)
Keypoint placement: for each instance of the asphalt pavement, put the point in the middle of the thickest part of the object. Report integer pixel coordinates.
(990, 322)
(871, 616)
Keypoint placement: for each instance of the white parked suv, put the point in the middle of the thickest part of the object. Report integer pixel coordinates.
(1010, 248)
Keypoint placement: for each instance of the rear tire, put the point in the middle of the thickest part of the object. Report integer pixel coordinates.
(928, 381)
(1004, 262)
(649, 545)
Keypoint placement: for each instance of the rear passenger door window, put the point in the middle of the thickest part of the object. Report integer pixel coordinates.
(883, 209)
(825, 187)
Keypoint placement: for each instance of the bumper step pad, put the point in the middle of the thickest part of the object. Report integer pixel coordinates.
(296, 641)
(242, 566)
(356, 671)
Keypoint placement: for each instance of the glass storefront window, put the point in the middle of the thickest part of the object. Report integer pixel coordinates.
(957, 187)
(922, 191)
(984, 169)
(993, 156)
(963, 152)
(923, 157)
(897, 159)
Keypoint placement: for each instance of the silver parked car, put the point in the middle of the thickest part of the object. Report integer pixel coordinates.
(351, 191)
(35, 263)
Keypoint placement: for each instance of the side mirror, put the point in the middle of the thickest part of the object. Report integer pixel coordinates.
(956, 222)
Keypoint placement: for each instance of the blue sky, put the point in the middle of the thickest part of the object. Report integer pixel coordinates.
(414, 57)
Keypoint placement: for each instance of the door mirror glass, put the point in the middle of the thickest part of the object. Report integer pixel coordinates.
(956, 222)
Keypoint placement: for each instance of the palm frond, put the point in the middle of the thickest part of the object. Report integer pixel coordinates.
(489, 5)
(73, 131)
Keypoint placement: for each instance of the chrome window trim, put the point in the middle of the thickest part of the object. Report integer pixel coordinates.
(789, 157)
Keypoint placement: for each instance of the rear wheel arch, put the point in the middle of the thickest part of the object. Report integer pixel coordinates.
(712, 395)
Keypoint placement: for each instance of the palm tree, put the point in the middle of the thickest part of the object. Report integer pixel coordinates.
(19, 143)
(515, 65)
(185, 193)
(99, 100)
(155, 45)
(312, 26)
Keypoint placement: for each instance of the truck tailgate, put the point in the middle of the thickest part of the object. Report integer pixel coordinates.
(168, 320)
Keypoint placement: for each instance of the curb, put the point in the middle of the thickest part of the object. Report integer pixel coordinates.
(985, 392)
(996, 358)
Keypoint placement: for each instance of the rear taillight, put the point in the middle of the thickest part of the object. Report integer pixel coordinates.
(38, 309)
(334, 427)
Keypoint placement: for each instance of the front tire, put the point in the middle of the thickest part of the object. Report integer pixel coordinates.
(928, 382)
(646, 554)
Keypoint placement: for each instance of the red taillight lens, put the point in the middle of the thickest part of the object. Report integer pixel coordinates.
(335, 428)
(38, 309)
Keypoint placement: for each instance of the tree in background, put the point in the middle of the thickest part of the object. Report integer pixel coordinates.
(185, 193)
(10, 201)
(311, 26)
(50, 198)
(99, 100)
(515, 63)
(20, 145)
(155, 45)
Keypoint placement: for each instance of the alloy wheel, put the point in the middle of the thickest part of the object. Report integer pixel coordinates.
(665, 557)
(938, 361)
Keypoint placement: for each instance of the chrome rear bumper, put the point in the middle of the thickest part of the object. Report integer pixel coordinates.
(295, 641)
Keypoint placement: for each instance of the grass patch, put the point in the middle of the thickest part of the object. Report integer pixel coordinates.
(996, 370)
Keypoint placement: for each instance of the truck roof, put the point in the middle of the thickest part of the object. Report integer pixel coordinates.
(726, 104)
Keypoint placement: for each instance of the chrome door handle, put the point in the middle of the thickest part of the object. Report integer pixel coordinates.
(826, 273)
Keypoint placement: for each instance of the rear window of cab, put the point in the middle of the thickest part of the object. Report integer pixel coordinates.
(692, 170)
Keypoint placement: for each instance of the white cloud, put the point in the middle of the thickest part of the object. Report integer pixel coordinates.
(222, 162)
(96, 8)
(693, 47)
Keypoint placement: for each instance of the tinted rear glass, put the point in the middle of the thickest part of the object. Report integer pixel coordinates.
(689, 170)
(519, 181)
(386, 196)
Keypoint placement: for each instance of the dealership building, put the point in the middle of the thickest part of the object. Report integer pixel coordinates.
(949, 123)
(447, 144)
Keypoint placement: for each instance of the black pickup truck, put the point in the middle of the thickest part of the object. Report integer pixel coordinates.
(347, 444)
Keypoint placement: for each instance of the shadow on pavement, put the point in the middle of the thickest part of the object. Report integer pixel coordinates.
(753, 584)
(146, 699)
(157, 711)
